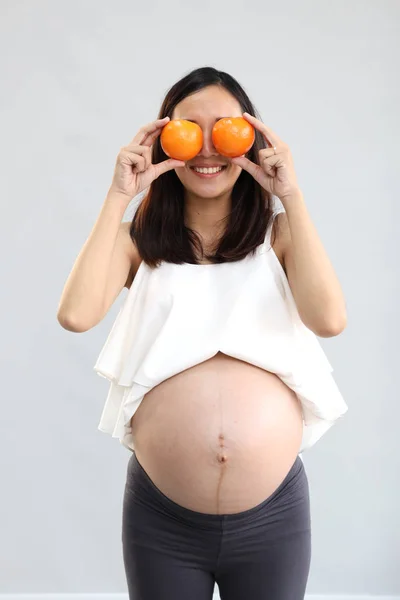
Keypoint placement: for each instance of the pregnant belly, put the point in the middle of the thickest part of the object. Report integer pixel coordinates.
(218, 437)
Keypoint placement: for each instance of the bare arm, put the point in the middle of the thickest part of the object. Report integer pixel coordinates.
(315, 286)
(103, 267)
(109, 260)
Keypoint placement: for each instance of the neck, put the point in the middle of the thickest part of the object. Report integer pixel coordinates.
(207, 216)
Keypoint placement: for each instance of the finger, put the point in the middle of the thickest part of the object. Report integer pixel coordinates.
(149, 131)
(270, 163)
(132, 159)
(266, 153)
(168, 165)
(246, 164)
(143, 151)
(151, 138)
(147, 156)
(267, 132)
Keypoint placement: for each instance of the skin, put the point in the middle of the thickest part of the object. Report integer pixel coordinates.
(313, 281)
(240, 427)
(207, 202)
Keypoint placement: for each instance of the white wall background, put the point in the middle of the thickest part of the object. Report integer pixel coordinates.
(78, 79)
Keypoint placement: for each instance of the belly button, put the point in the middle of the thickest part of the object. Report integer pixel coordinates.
(222, 458)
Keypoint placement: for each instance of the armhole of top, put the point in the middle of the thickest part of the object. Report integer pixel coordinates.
(267, 241)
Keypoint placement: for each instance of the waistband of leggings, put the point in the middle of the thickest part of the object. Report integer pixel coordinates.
(141, 479)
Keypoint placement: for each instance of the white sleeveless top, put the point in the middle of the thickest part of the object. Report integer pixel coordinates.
(176, 316)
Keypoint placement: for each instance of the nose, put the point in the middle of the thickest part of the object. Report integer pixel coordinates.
(208, 149)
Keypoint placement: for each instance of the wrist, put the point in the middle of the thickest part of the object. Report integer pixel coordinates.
(114, 196)
(296, 194)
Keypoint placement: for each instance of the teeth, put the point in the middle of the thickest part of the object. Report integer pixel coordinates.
(208, 171)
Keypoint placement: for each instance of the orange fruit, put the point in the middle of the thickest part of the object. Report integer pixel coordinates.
(233, 136)
(181, 139)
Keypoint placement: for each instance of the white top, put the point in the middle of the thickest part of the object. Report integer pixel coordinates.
(176, 316)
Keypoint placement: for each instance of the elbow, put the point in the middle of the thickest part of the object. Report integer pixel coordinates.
(70, 324)
(87, 318)
(332, 328)
(327, 325)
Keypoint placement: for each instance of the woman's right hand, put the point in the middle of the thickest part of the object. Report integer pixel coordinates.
(134, 170)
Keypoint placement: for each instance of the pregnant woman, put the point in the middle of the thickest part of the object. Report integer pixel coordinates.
(217, 380)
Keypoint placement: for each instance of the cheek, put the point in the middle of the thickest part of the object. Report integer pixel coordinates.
(183, 177)
(231, 176)
(234, 172)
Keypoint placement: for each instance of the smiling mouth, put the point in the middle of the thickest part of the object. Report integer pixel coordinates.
(208, 171)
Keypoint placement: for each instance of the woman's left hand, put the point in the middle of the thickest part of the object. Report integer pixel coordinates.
(276, 173)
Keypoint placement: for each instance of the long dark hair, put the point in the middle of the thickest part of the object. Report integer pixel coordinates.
(158, 227)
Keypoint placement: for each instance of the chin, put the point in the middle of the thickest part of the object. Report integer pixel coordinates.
(208, 192)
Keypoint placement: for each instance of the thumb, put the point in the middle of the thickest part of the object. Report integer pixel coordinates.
(168, 165)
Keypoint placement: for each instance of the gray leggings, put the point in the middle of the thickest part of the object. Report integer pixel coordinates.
(173, 553)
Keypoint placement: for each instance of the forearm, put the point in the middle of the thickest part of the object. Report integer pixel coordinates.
(316, 288)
